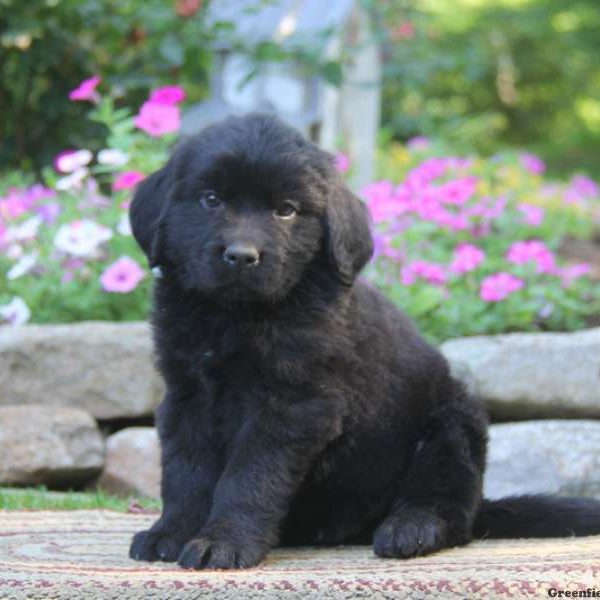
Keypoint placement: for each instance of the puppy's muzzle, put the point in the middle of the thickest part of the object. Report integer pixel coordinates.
(241, 255)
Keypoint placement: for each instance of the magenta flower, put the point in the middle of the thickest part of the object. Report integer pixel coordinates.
(533, 215)
(127, 180)
(86, 90)
(170, 94)
(534, 251)
(418, 143)
(122, 276)
(158, 119)
(572, 272)
(585, 187)
(433, 273)
(14, 204)
(342, 162)
(499, 286)
(467, 257)
(457, 191)
(532, 163)
(384, 204)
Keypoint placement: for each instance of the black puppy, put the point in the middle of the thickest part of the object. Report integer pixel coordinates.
(302, 407)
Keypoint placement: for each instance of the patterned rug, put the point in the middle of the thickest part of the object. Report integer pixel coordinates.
(83, 554)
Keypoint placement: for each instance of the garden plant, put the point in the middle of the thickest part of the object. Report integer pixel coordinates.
(466, 245)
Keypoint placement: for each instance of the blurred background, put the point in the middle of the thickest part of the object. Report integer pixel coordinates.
(470, 128)
(481, 74)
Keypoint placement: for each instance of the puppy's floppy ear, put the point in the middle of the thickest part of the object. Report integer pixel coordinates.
(144, 214)
(349, 241)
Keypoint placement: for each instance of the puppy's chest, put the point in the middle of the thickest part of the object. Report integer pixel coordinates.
(253, 355)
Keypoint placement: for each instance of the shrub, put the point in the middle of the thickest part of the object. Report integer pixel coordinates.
(465, 245)
(66, 247)
(469, 246)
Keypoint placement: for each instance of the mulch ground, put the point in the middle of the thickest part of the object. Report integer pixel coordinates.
(83, 554)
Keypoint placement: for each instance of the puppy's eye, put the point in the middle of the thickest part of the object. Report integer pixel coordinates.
(286, 211)
(209, 199)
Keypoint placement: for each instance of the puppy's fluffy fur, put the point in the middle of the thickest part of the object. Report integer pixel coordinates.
(302, 407)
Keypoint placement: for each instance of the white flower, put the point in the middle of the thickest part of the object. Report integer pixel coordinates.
(14, 251)
(124, 225)
(81, 238)
(72, 161)
(112, 157)
(16, 312)
(26, 230)
(73, 180)
(22, 266)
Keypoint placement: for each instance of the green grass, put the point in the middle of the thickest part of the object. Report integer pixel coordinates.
(40, 498)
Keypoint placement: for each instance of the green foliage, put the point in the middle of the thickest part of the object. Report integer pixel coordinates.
(48, 46)
(485, 75)
(65, 286)
(429, 206)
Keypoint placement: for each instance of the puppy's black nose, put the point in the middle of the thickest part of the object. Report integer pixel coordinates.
(242, 255)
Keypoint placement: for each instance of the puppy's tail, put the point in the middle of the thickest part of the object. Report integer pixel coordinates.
(537, 516)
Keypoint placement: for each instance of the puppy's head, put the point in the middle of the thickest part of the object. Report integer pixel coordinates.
(241, 211)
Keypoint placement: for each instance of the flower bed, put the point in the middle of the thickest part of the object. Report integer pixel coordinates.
(465, 245)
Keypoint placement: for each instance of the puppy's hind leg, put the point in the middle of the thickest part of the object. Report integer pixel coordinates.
(441, 494)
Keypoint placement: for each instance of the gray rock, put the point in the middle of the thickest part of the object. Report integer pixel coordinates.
(559, 457)
(531, 375)
(48, 445)
(104, 368)
(132, 463)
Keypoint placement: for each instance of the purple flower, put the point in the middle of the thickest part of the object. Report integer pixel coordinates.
(122, 276)
(433, 273)
(467, 257)
(534, 251)
(418, 143)
(457, 191)
(584, 186)
(342, 162)
(532, 163)
(49, 212)
(533, 215)
(572, 272)
(499, 286)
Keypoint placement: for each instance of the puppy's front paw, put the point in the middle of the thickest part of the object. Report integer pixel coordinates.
(155, 545)
(206, 553)
(413, 533)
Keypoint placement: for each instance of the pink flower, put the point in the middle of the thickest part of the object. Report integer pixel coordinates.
(467, 257)
(418, 143)
(534, 215)
(86, 90)
(342, 162)
(384, 204)
(457, 191)
(404, 31)
(127, 180)
(497, 287)
(158, 119)
(14, 204)
(122, 276)
(170, 94)
(534, 251)
(433, 273)
(585, 186)
(532, 163)
(572, 272)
